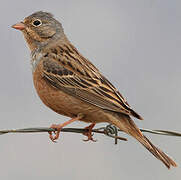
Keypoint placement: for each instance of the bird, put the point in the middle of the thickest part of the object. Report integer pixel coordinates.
(72, 86)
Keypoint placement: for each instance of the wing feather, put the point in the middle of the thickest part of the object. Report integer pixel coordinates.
(72, 73)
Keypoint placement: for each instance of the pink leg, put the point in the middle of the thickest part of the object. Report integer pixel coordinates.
(89, 134)
(58, 127)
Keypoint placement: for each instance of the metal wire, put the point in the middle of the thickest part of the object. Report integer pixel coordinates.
(109, 130)
(162, 132)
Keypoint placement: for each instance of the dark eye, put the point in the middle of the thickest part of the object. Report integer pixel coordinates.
(37, 22)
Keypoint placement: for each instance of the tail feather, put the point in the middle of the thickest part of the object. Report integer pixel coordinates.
(126, 124)
(159, 154)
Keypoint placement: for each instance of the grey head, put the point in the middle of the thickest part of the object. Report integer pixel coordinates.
(40, 29)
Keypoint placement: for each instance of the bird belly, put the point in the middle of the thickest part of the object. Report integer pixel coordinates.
(65, 104)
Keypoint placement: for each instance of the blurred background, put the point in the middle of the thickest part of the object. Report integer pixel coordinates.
(137, 46)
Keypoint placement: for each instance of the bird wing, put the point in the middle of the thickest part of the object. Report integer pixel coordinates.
(67, 70)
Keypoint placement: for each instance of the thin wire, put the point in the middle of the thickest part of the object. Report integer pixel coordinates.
(162, 132)
(109, 130)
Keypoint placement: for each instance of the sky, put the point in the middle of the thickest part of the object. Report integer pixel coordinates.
(137, 46)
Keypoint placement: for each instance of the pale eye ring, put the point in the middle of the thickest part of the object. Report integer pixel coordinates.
(37, 23)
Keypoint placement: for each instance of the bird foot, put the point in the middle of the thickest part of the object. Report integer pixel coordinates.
(54, 135)
(89, 133)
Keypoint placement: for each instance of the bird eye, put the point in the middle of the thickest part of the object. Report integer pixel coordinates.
(37, 22)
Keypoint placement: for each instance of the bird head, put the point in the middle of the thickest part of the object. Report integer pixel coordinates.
(39, 29)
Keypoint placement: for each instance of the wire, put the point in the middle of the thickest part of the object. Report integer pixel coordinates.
(109, 130)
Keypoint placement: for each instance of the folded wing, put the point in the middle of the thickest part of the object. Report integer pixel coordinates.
(78, 77)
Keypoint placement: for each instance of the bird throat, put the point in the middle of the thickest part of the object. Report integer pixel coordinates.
(36, 56)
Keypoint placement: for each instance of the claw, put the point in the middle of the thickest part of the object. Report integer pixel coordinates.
(89, 134)
(56, 133)
(90, 139)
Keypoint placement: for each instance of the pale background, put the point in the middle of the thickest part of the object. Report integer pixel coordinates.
(137, 45)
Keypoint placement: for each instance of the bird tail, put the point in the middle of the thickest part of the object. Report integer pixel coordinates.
(126, 124)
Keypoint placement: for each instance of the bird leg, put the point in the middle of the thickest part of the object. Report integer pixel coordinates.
(89, 133)
(58, 127)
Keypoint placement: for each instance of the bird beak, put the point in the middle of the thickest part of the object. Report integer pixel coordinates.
(19, 26)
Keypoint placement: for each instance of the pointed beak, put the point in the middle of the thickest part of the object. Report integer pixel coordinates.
(19, 26)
